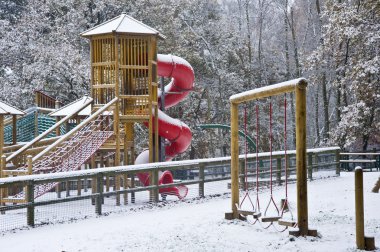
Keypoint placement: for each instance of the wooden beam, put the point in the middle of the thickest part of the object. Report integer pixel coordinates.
(1, 135)
(280, 88)
(359, 208)
(302, 208)
(14, 129)
(234, 159)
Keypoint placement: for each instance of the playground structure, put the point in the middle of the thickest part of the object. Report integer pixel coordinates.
(99, 130)
(124, 91)
(299, 87)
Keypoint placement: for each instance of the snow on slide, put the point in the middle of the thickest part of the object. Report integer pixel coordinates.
(176, 132)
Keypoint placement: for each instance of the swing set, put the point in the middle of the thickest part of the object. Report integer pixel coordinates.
(273, 214)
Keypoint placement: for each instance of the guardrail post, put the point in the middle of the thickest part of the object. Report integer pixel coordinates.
(2, 167)
(155, 191)
(125, 187)
(278, 178)
(30, 200)
(99, 197)
(337, 158)
(362, 242)
(359, 208)
(154, 181)
(67, 183)
(133, 197)
(201, 180)
(310, 165)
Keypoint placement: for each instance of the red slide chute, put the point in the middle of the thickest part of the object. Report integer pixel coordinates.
(176, 132)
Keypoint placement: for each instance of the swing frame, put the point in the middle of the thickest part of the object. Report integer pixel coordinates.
(298, 86)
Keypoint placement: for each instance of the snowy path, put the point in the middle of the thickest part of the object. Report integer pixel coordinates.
(200, 226)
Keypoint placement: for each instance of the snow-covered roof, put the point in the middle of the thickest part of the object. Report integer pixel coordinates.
(6, 109)
(122, 24)
(69, 108)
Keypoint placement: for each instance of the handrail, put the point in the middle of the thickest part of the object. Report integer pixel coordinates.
(137, 168)
(77, 128)
(48, 131)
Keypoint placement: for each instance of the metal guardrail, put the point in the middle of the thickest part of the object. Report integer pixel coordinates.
(207, 170)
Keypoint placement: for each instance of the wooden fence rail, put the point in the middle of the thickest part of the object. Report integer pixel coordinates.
(202, 170)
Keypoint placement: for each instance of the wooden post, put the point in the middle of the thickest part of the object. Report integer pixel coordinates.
(1, 134)
(30, 200)
(359, 208)
(154, 197)
(310, 165)
(125, 162)
(2, 167)
(30, 194)
(337, 158)
(362, 241)
(201, 180)
(99, 197)
(234, 161)
(116, 117)
(85, 179)
(93, 179)
(30, 164)
(302, 209)
(14, 129)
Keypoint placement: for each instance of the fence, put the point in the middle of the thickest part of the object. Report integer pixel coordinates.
(368, 160)
(203, 177)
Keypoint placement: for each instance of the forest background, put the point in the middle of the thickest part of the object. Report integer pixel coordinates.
(233, 46)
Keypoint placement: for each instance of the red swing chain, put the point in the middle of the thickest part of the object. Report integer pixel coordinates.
(285, 205)
(271, 200)
(246, 148)
(257, 159)
(245, 162)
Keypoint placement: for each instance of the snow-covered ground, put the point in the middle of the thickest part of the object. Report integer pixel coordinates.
(199, 225)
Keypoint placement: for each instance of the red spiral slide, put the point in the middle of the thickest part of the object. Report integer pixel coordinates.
(176, 132)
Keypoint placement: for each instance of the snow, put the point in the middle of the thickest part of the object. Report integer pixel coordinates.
(122, 24)
(74, 106)
(6, 109)
(199, 225)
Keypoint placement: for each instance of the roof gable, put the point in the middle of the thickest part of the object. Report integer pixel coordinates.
(69, 108)
(6, 109)
(122, 24)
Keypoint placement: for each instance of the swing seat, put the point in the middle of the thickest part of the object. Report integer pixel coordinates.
(257, 215)
(287, 223)
(243, 211)
(270, 218)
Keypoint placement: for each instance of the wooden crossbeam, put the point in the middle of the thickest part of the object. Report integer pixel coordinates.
(358, 161)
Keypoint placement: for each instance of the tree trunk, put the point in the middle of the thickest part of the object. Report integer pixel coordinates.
(295, 47)
(325, 100)
(316, 106)
(249, 44)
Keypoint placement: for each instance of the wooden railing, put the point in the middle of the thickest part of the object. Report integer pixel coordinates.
(198, 172)
(43, 100)
(35, 141)
(367, 160)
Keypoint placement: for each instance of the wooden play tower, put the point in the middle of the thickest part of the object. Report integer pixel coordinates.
(124, 65)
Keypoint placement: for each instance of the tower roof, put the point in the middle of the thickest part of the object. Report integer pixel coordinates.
(69, 108)
(122, 24)
(6, 109)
